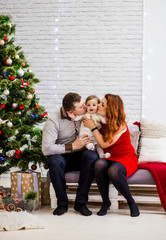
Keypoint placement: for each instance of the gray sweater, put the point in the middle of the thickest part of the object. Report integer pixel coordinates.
(57, 132)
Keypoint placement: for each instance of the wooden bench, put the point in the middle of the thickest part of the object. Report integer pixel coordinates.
(141, 178)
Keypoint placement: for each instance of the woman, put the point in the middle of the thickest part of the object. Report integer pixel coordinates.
(115, 139)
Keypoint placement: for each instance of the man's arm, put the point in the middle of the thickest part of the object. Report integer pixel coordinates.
(49, 137)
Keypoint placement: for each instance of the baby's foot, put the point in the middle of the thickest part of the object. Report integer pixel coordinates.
(105, 155)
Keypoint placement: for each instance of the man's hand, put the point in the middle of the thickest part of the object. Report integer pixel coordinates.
(80, 142)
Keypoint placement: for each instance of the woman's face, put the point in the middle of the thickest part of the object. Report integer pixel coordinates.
(102, 107)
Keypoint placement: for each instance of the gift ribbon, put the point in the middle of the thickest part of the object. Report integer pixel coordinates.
(35, 184)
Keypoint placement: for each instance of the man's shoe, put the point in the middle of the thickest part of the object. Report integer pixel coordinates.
(60, 210)
(82, 208)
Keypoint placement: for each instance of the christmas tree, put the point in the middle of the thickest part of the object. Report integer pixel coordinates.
(20, 112)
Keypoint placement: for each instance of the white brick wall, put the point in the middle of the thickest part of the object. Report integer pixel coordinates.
(99, 47)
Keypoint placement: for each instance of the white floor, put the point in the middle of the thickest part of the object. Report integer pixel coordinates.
(113, 226)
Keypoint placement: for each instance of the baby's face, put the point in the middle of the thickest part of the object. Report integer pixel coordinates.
(91, 106)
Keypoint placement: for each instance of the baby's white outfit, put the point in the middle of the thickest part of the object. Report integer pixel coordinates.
(85, 130)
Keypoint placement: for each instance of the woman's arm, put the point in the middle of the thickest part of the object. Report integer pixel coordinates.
(98, 136)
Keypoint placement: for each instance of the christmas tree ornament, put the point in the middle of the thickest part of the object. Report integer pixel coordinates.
(44, 115)
(17, 153)
(45, 166)
(20, 72)
(23, 64)
(6, 92)
(10, 153)
(16, 132)
(3, 106)
(0, 132)
(37, 106)
(20, 120)
(11, 78)
(29, 70)
(8, 61)
(5, 38)
(5, 73)
(33, 167)
(3, 121)
(10, 124)
(17, 56)
(21, 107)
(29, 96)
(14, 105)
(2, 42)
(2, 158)
(33, 90)
(24, 84)
(1, 150)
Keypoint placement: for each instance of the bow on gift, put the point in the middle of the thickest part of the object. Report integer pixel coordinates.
(30, 140)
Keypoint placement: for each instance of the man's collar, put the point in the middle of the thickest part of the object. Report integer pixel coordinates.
(63, 114)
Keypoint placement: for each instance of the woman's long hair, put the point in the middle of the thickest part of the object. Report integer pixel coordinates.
(115, 116)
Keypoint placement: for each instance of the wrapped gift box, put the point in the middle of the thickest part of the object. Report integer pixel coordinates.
(24, 182)
(45, 193)
(1, 196)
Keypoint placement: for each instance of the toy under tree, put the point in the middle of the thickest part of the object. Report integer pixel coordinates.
(20, 112)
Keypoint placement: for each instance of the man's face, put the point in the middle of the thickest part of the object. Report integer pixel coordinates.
(80, 108)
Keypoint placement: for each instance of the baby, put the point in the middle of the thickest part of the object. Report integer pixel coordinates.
(92, 106)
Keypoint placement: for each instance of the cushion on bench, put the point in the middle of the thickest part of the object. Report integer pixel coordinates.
(141, 176)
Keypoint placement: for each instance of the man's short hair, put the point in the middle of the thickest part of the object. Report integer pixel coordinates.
(69, 100)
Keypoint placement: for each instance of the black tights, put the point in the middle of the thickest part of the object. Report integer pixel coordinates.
(106, 171)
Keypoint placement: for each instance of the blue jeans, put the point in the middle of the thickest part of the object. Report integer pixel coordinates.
(82, 161)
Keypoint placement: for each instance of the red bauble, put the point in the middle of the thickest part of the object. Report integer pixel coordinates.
(21, 107)
(18, 152)
(33, 167)
(2, 106)
(0, 132)
(37, 106)
(45, 166)
(5, 38)
(11, 78)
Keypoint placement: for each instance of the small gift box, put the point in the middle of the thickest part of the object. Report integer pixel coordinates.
(21, 183)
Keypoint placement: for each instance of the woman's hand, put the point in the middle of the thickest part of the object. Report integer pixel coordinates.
(90, 123)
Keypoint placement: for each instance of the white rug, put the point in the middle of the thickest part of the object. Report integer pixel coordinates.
(11, 221)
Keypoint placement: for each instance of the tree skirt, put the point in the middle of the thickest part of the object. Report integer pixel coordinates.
(11, 221)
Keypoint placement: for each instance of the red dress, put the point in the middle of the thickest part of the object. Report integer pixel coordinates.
(122, 151)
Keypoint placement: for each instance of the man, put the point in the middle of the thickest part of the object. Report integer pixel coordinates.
(66, 152)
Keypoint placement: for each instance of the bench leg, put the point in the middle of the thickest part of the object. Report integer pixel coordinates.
(113, 196)
(53, 197)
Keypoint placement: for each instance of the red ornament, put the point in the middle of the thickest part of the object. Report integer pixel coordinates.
(33, 167)
(21, 107)
(23, 64)
(11, 78)
(5, 38)
(2, 106)
(37, 106)
(0, 132)
(44, 114)
(17, 153)
(46, 167)
(24, 84)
